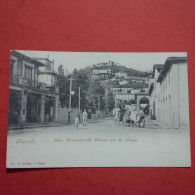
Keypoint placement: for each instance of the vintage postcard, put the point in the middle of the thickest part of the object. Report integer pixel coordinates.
(93, 109)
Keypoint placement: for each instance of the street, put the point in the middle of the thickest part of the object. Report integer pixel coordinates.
(96, 125)
(100, 143)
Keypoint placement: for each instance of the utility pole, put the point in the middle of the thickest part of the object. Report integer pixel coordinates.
(107, 104)
(79, 99)
(71, 79)
(98, 105)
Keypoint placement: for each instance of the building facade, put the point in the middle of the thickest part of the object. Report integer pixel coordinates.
(31, 99)
(134, 98)
(170, 93)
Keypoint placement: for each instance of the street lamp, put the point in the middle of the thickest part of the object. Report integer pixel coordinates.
(79, 99)
(71, 92)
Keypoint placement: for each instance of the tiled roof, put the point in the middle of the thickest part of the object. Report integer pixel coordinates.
(167, 65)
(158, 67)
(142, 93)
(151, 88)
(26, 56)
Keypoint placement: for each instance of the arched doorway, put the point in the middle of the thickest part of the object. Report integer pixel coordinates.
(132, 101)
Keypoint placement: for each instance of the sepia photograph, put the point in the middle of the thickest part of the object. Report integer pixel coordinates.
(98, 109)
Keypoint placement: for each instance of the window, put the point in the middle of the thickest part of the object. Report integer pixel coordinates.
(169, 77)
(11, 71)
(36, 74)
(166, 82)
(163, 84)
(28, 72)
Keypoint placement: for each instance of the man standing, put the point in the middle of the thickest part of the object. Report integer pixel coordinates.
(85, 118)
(69, 118)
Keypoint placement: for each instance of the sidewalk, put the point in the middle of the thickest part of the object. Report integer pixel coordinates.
(35, 125)
(154, 124)
(47, 124)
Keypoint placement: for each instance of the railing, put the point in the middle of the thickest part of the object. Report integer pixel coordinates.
(47, 87)
(38, 85)
(50, 88)
(42, 86)
(29, 82)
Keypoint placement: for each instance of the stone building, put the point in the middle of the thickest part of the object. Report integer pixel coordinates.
(137, 98)
(170, 93)
(33, 93)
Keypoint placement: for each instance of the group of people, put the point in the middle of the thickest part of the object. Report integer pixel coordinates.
(78, 118)
(130, 118)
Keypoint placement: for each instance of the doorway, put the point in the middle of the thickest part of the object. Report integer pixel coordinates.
(33, 107)
(14, 106)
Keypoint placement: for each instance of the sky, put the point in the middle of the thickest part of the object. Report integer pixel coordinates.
(72, 60)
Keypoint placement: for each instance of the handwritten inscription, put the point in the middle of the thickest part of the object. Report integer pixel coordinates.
(22, 141)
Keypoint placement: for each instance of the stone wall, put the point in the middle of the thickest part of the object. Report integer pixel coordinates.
(63, 114)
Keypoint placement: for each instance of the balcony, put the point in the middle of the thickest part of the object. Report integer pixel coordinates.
(29, 82)
(33, 84)
(39, 85)
(14, 79)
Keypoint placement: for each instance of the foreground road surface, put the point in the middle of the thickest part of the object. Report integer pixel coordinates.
(96, 125)
(100, 143)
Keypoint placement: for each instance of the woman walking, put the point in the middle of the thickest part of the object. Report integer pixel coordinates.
(85, 118)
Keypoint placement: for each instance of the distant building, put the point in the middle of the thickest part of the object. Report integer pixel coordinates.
(33, 93)
(125, 96)
(134, 91)
(117, 90)
(121, 74)
(137, 98)
(124, 82)
(102, 74)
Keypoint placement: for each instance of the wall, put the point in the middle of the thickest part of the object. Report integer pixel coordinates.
(125, 96)
(183, 96)
(45, 78)
(63, 114)
(172, 97)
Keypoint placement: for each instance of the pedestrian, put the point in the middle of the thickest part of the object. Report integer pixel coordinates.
(79, 116)
(85, 118)
(133, 117)
(127, 119)
(76, 122)
(69, 118)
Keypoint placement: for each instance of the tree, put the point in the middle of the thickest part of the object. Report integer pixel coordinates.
(110, 100)
(81, 79)
(64, 87)
(61, 70)
(95, 94)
